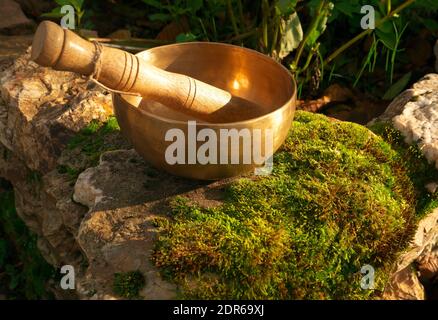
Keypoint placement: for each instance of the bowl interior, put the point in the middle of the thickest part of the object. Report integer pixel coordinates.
(244, 73)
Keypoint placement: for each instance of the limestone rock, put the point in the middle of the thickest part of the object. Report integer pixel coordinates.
(415, 114)
(12, 18)
(41, 109)
(425, 239)
(428, 266)
(431, 187)
(405, 286)
(44, 203)
(85, 192)
(421, 255)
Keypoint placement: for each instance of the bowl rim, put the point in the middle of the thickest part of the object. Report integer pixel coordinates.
(289, 103)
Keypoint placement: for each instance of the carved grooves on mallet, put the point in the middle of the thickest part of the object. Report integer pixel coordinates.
(191, 94)
(129, 74)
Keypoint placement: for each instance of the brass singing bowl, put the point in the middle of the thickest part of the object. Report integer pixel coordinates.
(243, 72)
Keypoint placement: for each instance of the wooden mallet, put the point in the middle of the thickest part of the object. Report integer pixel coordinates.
(121, 71)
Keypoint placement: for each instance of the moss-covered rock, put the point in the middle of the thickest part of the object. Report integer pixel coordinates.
(85, 148)
(339, 198)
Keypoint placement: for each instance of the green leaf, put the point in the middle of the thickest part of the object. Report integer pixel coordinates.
(313, 5)
(286, 6)
(55, 13)
(426, 4)
(381, 7)
(292, 35)
(388, 39)
(194, 5)
(397, 87)
(77, 4)
(185, 37)
(430, 24)
(386, 27)
(163, 17)
(347, 7)
(321, 25)
(63, 2)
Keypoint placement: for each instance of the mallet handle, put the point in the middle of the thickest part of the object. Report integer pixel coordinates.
(62, 49)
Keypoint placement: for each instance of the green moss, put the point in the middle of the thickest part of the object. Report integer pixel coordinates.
(71, 172)
(23, 271)
(34, 177)
(111, 125)
(85, 148)
(339, 198)
(95, 139)
(420, 172)
(128, 284)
